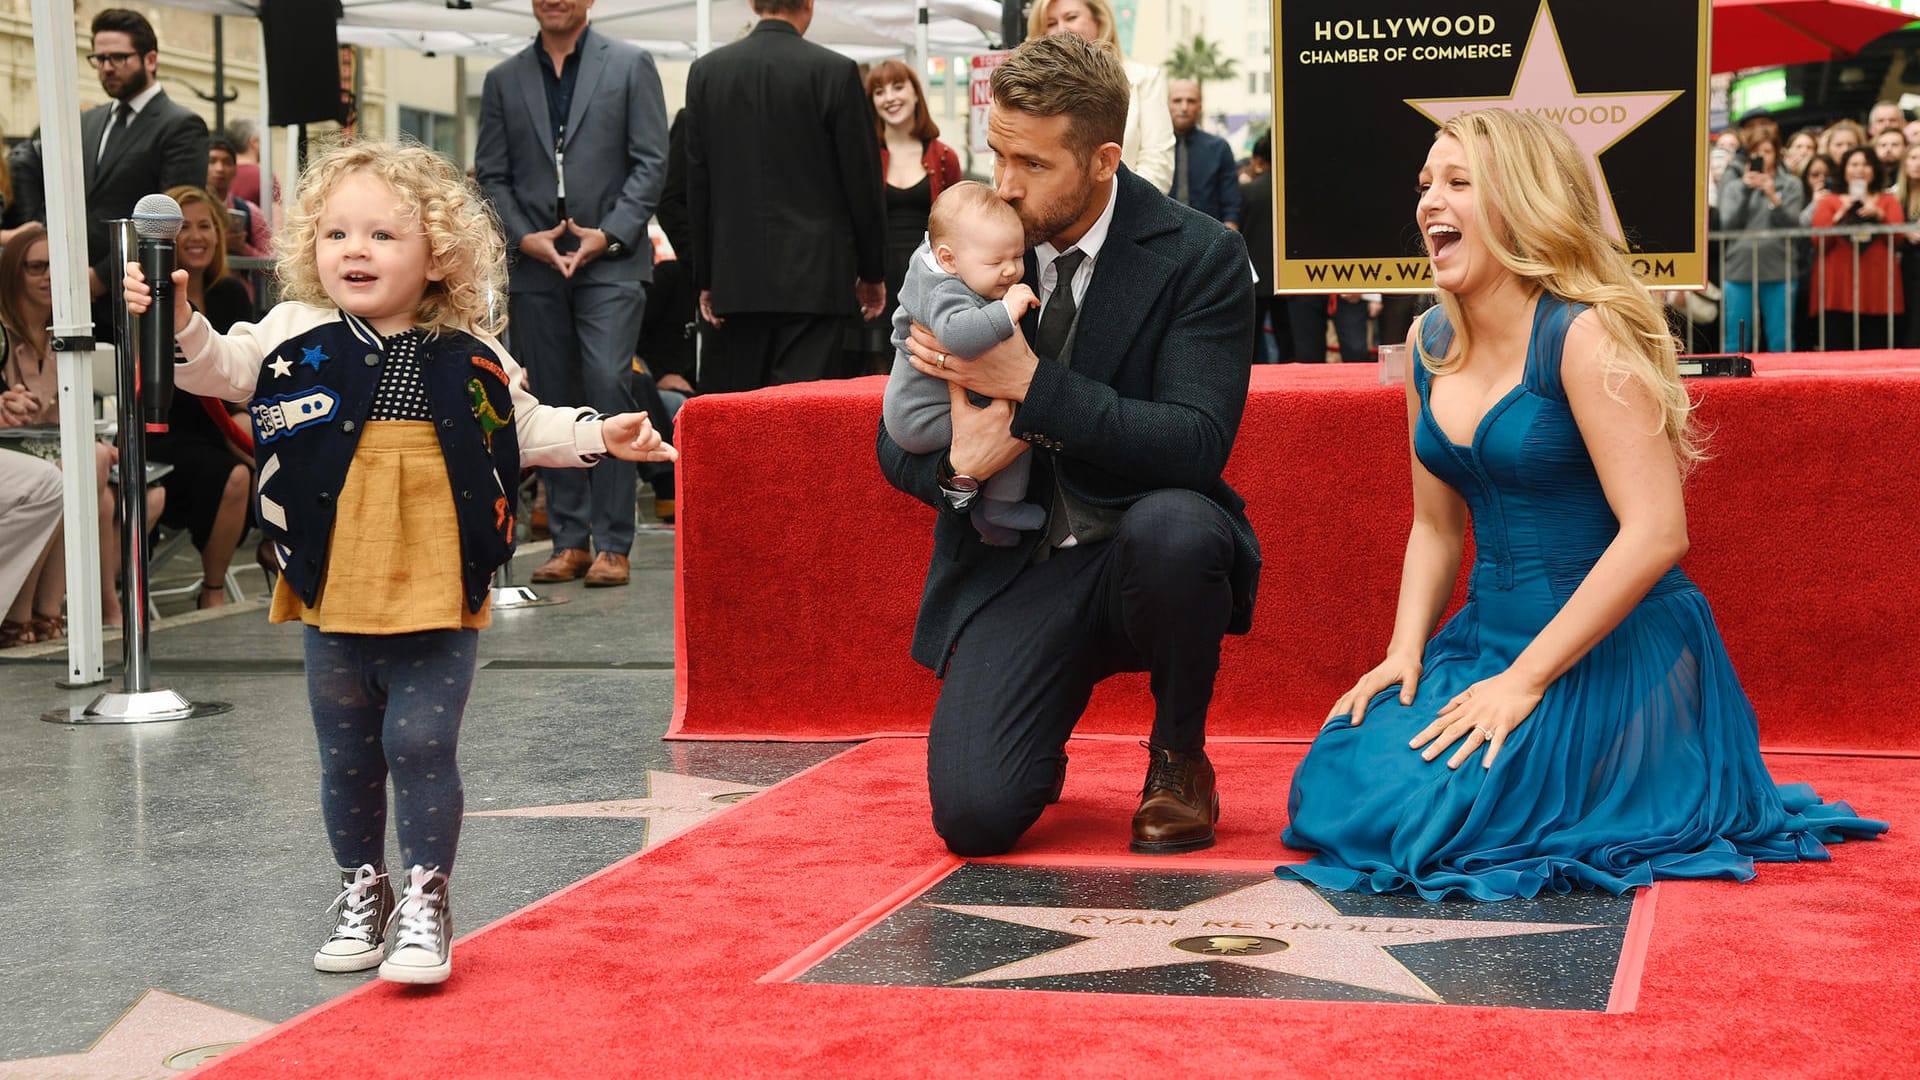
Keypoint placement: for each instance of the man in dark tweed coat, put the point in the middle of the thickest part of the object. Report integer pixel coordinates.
(1127, 390)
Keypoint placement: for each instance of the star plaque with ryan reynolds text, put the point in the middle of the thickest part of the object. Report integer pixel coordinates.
(1245, 934)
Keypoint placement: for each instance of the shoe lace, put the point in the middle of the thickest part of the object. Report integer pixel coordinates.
(418, 915)
(1165, 772)
(357, 904)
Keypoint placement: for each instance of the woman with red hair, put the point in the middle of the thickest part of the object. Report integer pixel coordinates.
(917, 167)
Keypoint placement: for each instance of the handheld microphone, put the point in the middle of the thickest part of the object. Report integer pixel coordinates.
(157, 219)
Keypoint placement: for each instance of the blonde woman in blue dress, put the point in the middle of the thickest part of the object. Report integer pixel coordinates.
(1578, 723)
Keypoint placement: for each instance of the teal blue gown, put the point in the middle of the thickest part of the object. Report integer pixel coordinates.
(1641, 762)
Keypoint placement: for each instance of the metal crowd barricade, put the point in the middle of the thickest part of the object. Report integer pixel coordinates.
(1788, 238)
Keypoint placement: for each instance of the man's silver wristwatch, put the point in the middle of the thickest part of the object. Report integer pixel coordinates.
(959, 490)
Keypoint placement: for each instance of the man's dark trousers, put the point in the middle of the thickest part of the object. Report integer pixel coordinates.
(756, 349)
(1154, 598)
(577, 346)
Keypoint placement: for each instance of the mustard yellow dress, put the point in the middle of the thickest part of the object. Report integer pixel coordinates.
(393, 564)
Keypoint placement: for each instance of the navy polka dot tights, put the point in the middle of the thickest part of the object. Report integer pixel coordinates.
(390, 705)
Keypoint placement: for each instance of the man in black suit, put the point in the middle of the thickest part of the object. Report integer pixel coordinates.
(140, 144)
(1129, 400)
(1256, 224)
(783, 183)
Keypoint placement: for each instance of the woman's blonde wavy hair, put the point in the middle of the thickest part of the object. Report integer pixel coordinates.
(1528, 175)
(461, 231)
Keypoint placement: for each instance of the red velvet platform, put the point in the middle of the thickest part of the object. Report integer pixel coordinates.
(800, 567)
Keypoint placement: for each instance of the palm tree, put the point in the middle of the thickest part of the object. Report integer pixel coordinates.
(1199, 60)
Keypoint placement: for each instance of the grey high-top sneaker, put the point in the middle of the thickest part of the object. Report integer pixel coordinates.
(364, 905)
(420, 935)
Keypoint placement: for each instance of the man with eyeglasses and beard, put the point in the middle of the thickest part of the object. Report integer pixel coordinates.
(140, 143)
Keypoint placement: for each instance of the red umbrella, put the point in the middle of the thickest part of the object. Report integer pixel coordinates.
(1763, 33)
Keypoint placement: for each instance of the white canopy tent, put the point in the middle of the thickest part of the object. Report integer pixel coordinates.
(670, 29)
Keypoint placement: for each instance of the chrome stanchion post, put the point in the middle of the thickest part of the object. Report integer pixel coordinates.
(136, 702)
(507, 596)
(133, 478)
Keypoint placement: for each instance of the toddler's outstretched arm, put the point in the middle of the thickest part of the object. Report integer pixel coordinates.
(630, 437)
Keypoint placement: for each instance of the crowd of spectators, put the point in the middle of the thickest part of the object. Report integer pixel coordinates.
(1831, 290)
(1835, 288)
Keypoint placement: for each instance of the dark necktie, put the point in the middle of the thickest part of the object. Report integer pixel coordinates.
(1056, 322)
(1182, 183)
(120, 111)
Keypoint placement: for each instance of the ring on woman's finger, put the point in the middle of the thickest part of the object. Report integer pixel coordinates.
(1483, 733)
(943, 361)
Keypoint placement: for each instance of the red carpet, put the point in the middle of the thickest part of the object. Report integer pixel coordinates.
(649, 968)
(800, 568)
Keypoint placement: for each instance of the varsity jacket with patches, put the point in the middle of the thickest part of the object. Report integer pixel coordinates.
(309, 374)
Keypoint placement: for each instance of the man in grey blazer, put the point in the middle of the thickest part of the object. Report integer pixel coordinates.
(1126, 394)
(139, 144)
(572, 152)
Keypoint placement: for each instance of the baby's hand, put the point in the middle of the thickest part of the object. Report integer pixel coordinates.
(139, 294)
(1020, 300)
(630, 437)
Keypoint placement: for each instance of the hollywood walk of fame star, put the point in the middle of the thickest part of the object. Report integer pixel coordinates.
(1545, 87)
(161, 1035)
(673, 804)
(1279, 926)
(313, 357)
(282, 367)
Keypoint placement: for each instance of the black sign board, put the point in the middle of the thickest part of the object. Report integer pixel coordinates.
(1361, 87)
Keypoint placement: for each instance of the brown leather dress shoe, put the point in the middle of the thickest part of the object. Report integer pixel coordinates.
(566, 565)
(1178, 805)
(608, 569)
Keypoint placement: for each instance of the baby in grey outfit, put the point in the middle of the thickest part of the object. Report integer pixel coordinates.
(963, 284)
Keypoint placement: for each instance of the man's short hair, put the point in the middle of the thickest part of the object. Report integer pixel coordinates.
(779, 7)
(242, 130)
(219, 142)
(950, 211)
(1065, 75)
(131, 23)
(1263, 147)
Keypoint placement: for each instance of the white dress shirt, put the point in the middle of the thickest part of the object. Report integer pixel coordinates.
(1090, 244)
(138, 103)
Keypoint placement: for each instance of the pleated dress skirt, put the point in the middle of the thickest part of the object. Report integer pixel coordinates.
(393, 563)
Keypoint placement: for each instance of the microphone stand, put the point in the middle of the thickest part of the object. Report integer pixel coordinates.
(138, 701)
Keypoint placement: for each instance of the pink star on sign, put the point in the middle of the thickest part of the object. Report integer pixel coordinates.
(1545, 86)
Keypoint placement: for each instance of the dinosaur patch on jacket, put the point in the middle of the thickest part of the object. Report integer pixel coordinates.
(482, 399)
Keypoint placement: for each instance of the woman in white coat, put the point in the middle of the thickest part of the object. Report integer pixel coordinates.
(1148, 146)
